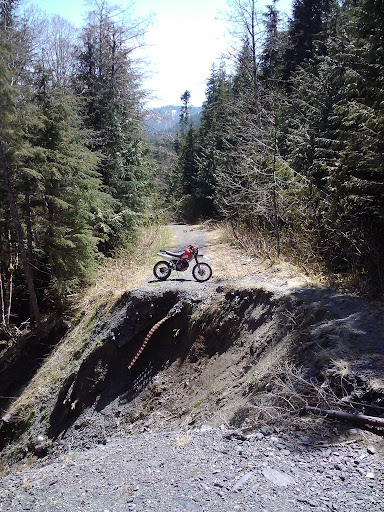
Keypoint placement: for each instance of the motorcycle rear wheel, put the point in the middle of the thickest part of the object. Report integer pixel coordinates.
(162, 270)
(202, 272)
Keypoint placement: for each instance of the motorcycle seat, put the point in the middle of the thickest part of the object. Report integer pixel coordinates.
(173, 254)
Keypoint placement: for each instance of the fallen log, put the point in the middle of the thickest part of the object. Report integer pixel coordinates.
(347, 416)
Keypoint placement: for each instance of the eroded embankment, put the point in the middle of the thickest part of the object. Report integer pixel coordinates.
(234, 356)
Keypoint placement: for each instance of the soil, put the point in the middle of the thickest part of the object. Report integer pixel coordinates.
(208, 416)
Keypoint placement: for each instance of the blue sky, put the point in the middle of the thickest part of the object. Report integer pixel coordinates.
(186, 38)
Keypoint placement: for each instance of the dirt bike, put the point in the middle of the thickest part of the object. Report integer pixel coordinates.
(180, 262)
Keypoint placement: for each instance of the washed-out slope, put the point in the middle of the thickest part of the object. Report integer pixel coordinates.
(250, 347)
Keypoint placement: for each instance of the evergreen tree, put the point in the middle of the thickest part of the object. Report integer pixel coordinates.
(109, 86)
(270, 52)
(64, 191)
(306, 24)
(212, 137)
(335, 141)
(12, 144)
(183, 182)
(360, 173)
(184, 112)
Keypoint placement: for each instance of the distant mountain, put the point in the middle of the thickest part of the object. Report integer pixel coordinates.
(166, 119)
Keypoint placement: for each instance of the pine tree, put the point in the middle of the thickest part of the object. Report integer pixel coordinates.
(184, 112)
(109, 86)
(306, 24)
(65, 191)
(11, 144)
(270, 53)
(211, 139)
(360, 174)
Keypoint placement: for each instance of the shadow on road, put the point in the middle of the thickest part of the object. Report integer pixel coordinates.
(173, 279)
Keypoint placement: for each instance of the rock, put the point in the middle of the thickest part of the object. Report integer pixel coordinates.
(236, 434)
(371, 450)
(188, 505)
(41, 446)
(370, 475)
(307, 502)
(240, 483)
(267, 430)
(277, 477)
(304, 439)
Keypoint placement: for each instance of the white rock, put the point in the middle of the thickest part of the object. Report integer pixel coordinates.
(278, 477)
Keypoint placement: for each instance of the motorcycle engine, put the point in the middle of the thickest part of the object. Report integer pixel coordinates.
(181, 265)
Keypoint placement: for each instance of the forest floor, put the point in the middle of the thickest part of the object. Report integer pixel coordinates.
(208, 418)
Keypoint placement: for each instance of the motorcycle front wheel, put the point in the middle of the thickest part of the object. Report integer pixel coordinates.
(162, 270)
(202, 272)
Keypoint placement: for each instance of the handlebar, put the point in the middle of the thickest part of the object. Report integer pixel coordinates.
(194, 249)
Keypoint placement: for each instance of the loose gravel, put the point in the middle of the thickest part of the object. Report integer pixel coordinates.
(206, 469)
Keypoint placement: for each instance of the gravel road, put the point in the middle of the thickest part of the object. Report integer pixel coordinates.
(187, 235)
(207, 469)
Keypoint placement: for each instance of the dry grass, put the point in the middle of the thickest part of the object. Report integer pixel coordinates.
(127, 270)
(246, 257)
(113, 278)
(300, 250)
(256, 244)
(183, 439)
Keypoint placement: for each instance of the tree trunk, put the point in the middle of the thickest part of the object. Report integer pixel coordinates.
(29, 241)
(274, 200)
(9, 292)
(2, 303)
(354, 418)
(20, 240)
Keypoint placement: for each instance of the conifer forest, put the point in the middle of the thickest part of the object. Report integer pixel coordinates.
(288, 147)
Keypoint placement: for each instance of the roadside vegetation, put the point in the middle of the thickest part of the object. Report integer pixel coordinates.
(75, 181)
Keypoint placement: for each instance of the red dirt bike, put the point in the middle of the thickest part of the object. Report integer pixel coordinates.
(180, 262)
